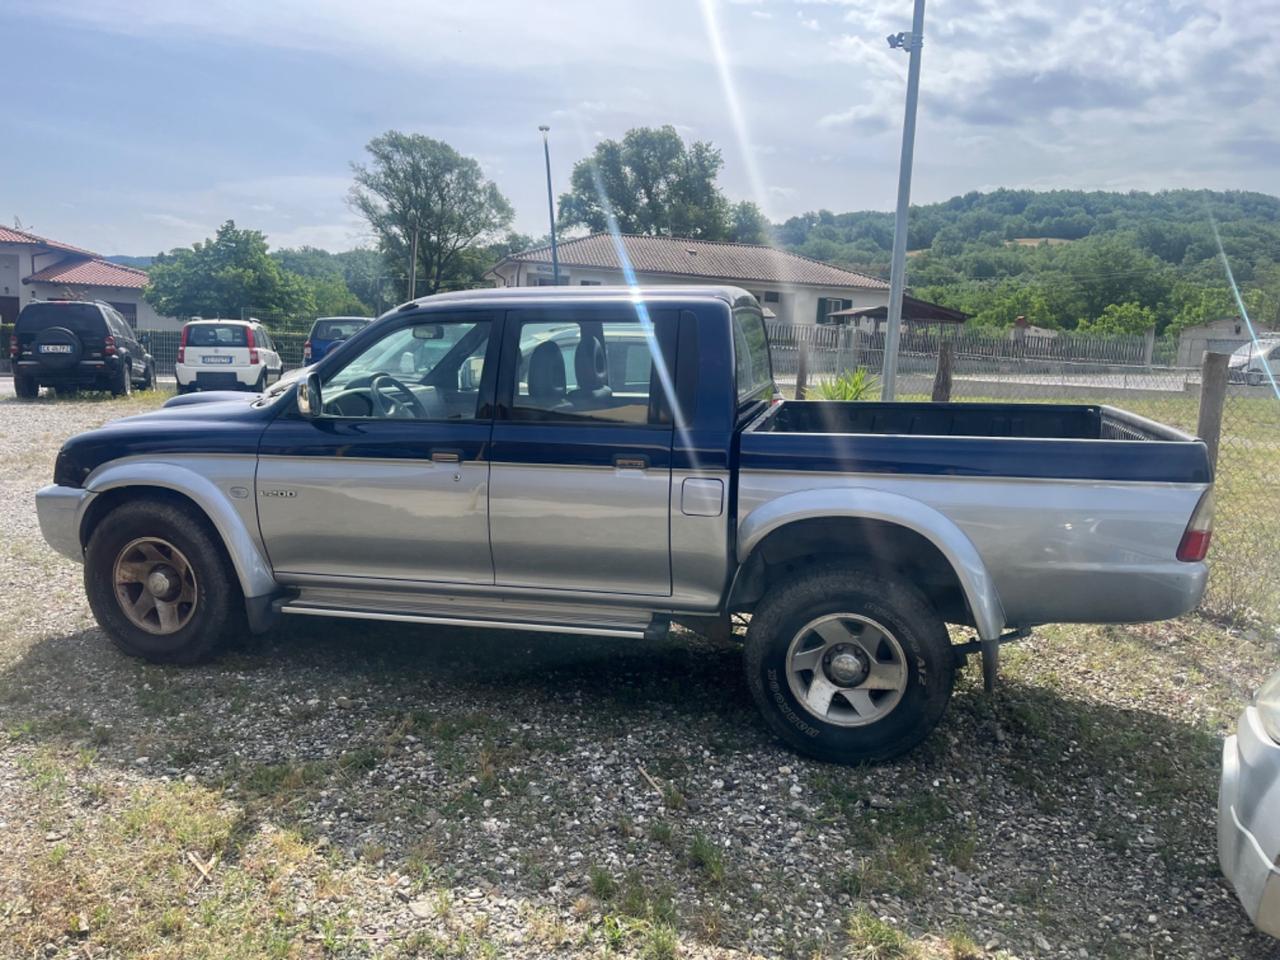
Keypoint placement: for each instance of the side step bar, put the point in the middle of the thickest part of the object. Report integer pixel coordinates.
(656, 628)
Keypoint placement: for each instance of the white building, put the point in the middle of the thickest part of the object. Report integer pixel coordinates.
(33, 268)
(793, 288)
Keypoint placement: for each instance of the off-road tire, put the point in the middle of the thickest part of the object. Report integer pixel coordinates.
(25, 388)
(219, 612)
(894, 603)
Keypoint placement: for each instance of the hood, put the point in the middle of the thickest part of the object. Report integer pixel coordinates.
(215, 423)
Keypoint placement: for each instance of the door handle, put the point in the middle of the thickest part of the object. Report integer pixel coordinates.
(631, 462)
(446, 456)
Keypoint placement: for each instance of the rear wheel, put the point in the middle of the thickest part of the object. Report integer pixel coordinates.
(149, 377)
(25, 387)
(122, 382)
(261, 383)
(1253, 379)
(848, 665)
(160, 584)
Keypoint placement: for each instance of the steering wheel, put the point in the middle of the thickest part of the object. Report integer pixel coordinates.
(405, 397)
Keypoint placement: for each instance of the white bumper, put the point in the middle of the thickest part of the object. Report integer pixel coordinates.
(59, 511)
(188, 374)
(1249, 820)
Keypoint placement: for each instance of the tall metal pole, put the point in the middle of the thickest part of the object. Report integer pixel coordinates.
(413, 264)
(911, 42)
(551, 209)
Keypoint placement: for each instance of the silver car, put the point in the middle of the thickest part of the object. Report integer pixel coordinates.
(1249, 809)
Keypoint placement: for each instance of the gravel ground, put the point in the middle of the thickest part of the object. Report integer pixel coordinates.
(347, 790)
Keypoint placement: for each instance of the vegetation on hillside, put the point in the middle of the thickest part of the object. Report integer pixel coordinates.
(999, 255)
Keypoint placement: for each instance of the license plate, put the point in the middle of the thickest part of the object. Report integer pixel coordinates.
(55, 348)
(215, 359)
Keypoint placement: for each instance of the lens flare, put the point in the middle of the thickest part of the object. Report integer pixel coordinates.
(1244, 313)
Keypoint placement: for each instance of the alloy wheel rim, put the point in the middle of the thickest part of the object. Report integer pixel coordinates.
(155, 585)
(846, 669)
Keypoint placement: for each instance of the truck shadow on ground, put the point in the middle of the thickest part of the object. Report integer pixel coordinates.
(1047, 796)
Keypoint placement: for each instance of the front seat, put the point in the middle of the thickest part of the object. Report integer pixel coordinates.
(547, 377)
(591, 367)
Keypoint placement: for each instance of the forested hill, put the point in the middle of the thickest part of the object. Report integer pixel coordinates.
(1068, 258)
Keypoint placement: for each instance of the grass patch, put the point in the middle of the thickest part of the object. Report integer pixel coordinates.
(870, 938)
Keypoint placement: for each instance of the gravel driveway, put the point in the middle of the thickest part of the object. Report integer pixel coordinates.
(348, 790)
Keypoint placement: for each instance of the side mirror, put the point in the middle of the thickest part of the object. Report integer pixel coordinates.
(309, 403)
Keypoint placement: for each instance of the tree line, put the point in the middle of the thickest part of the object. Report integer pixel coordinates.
(1105, 262)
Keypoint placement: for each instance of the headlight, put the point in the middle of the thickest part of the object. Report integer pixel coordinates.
(1268, 704)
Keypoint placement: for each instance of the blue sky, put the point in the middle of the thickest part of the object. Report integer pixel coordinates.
(139, 126)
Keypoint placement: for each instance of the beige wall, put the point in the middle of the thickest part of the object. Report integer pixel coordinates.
(796, 304)
(148, 319)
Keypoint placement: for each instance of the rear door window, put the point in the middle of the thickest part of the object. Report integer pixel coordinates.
(217, 335)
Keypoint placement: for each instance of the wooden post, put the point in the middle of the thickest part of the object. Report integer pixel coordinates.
(802, 366)
(1213, 394)
(942, 379)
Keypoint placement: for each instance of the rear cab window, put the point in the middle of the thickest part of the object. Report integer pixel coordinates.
(337, 329)
(753, 370)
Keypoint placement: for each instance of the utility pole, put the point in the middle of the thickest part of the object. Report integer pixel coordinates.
(911, 42)
(551, 208)
(413, 263)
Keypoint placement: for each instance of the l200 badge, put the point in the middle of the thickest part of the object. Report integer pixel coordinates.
(278, 493)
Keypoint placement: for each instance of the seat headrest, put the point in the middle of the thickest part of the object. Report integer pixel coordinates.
(546, 373)
(590, 365)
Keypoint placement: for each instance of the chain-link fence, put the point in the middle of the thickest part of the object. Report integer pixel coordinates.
(1133, 373)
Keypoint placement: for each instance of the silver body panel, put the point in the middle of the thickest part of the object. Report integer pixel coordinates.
(1249, 820)
(598, 529)
(1026, 551)
(353, 517)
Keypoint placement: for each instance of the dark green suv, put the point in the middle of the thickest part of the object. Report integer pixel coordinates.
(73, 344)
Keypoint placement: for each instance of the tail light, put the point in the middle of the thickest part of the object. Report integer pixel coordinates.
(1195, 539)
(306, 353)
(253, 350)
(182, 347)
(109, 345)
(14, 349)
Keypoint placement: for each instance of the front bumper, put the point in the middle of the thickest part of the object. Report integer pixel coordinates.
(59, 510)
(1249, 821)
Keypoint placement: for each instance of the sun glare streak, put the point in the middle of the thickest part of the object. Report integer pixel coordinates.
(730, 91)
(1244, 313)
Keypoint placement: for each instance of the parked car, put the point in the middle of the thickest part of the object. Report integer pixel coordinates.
(1251, 362)
(226, 355)
(71, 345)
(1249, 809)
(476, 483)
(327, 332)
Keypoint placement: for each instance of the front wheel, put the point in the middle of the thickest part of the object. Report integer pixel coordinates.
(1253, 379)
(849, 666)
(160, 584)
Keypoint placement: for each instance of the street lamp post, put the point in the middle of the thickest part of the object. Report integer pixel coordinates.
(911, 42)
(551, 208)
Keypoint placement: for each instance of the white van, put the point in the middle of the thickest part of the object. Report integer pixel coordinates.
(226, 355)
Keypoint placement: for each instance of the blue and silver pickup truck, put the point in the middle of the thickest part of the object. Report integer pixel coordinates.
(607, 460)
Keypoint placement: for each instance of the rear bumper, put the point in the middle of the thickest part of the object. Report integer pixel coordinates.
(83, 372)
(226, 378)
(1249, 821)
(59, 510)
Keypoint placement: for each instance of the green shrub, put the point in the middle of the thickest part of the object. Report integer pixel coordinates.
(856, 384)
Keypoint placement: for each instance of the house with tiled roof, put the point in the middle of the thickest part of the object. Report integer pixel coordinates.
(37, 268)
(790, 287)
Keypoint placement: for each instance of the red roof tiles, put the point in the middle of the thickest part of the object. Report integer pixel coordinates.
(12, 235)
(92, 272)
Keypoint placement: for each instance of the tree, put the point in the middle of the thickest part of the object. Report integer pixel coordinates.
(1118, 318)
(417, 185)
(748, 224)
(653, 184)
(222, 276)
